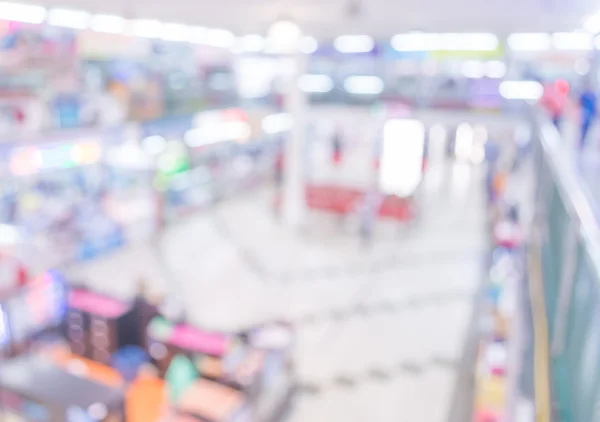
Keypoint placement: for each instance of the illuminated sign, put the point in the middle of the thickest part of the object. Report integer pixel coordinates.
(30, 160)
(401, 168)
(216, 126)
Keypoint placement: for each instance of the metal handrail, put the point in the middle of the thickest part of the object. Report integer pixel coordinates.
(573, 190)
(560, 163)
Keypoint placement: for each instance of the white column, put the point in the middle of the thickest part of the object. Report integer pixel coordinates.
(294, 203)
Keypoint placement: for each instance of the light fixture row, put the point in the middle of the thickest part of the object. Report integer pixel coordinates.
(407, 42)
(519, 42)
(146, 28)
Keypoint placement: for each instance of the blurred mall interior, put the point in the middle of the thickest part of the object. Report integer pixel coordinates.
(299, 211)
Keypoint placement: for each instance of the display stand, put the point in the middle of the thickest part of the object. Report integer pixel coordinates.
(500, 355)
(107, 352)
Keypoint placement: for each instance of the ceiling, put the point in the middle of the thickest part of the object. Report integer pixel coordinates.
(379, 18)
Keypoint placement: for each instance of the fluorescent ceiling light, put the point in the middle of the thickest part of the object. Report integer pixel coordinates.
(198, 34)
(147, 28)
(354, 44)
(521, 90)
(495, 69)
(315, 83)
(277, 123)
(473, 69)
(368, 85)
(572, 41)
(26, 13)
(284, 36)
(220, 38)
(68, 18)
(252, 43)
(420, 41)
(175, 32)
(308, 45)
(111, 24)
(529, 41)
(416, 41)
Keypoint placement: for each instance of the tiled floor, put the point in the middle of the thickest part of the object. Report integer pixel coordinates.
(380, 331)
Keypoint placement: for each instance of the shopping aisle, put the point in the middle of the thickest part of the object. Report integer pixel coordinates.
(380, 331)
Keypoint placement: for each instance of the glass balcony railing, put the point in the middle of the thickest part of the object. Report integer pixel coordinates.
(566, 239)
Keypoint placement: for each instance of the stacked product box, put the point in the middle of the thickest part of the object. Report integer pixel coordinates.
(216, 377)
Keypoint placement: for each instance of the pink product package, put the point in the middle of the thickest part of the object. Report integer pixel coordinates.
(97, 304)
(187, 337)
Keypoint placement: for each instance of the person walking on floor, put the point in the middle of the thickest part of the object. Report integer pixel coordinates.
(588, 106)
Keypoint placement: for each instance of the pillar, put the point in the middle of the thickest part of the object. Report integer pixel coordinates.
(294, 202)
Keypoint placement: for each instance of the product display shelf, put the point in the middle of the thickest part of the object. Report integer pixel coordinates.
(499, 355)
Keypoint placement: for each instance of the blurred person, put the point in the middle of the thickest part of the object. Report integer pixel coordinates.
(279, 166)
(11, 204)
(554, 99)
(22, 276)
(450, 145)
(368, 218)
(495, 178)
(425, 153)
(81, 182)
(12, 272)
(337, 146)
(147, 307)
(513, 213)
(588, 106)
(377, 149)
(498, 184)
(278, 176)
(492, 152)
(19, 115)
